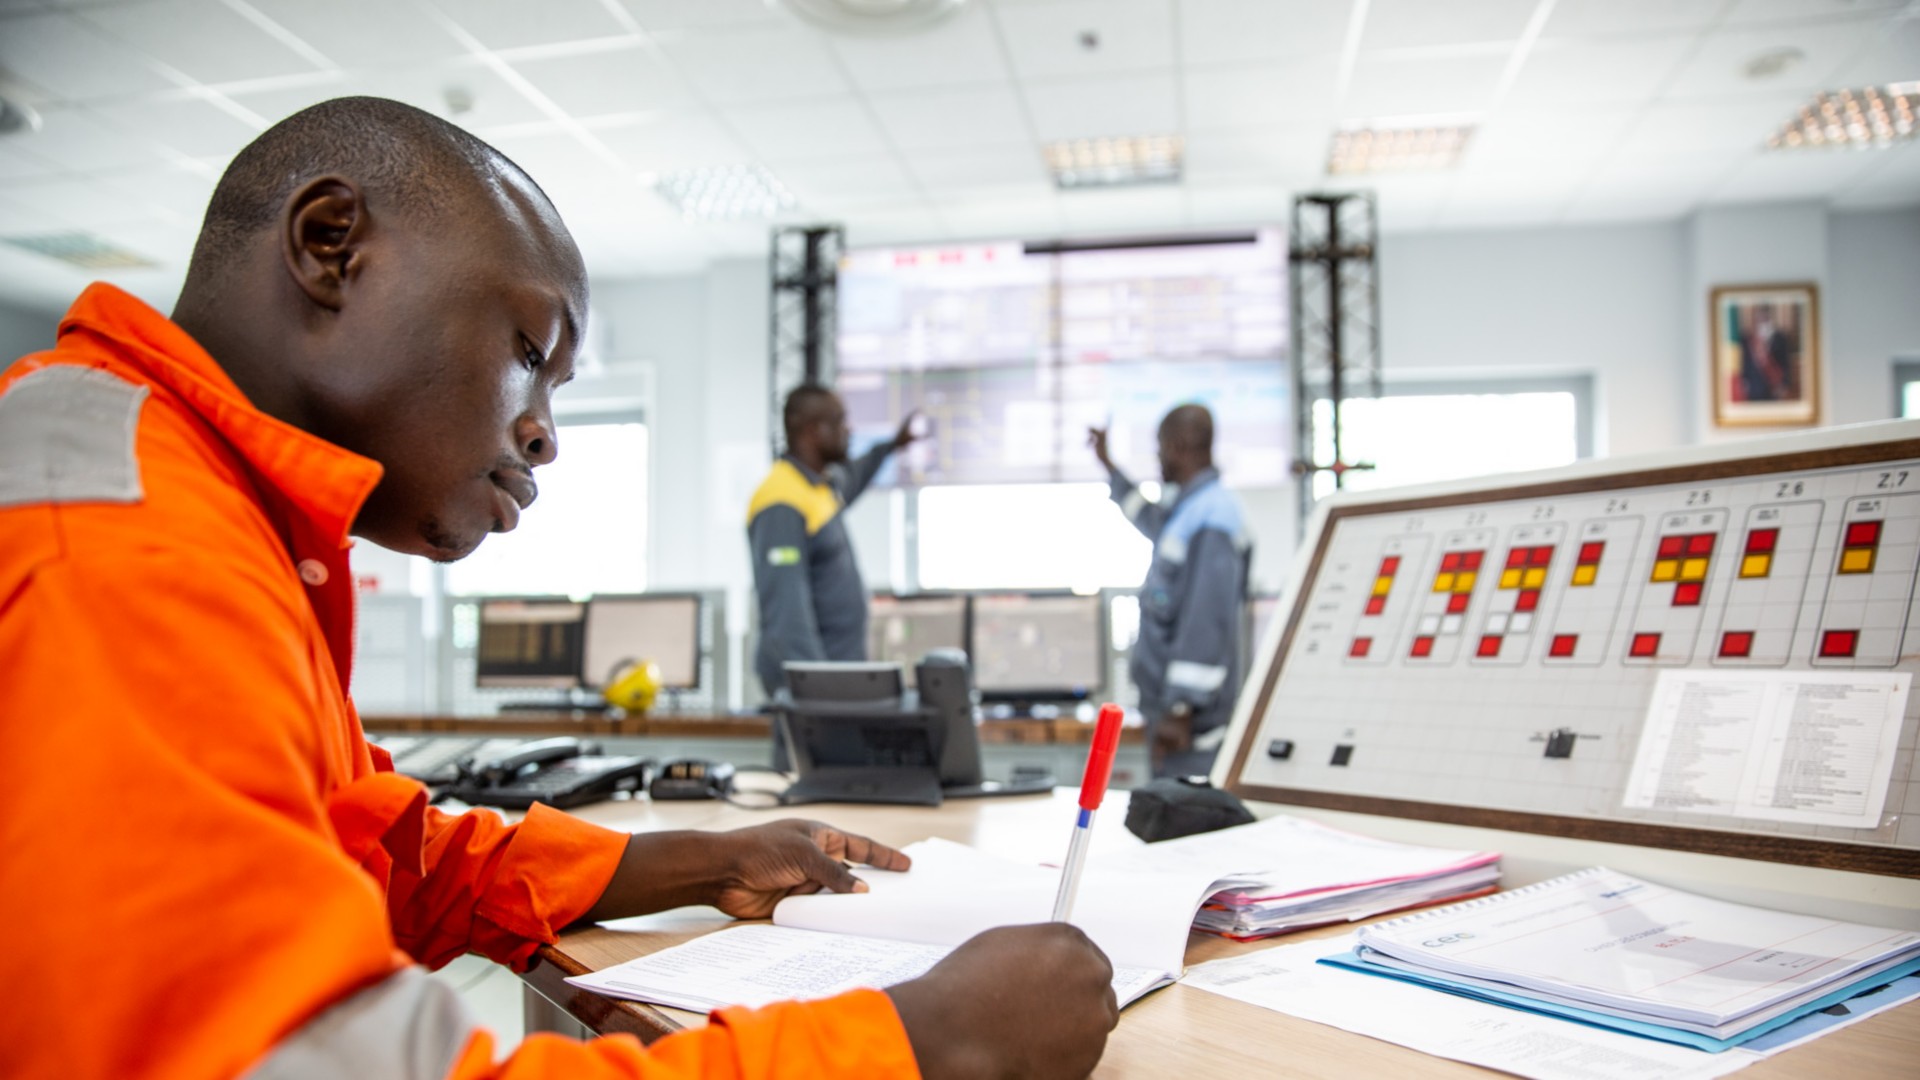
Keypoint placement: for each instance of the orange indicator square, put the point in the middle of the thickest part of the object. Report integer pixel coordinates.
(1756, 566)
(1535, 577)
(1463, 582)
(1666, 569)
(1693, 570)
(1382, 586)
(1443, 581)
(1585, 573)
(1510, 578)
(1857, 560)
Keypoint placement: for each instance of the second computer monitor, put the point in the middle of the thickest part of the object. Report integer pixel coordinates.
(529, 641)
(903, 629)
(1038, 646)
(663, 628)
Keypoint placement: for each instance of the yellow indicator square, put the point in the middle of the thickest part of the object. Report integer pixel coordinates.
(1443, 583)
(1584, 575)
(1510, 579)
(1756, 565)
(1693, 570)
(1463, 582)
(1666, 569)
(1536, 577)
(1857, 561)
(1382, 585)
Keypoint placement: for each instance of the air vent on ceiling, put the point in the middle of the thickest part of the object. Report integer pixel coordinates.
(875, 17)
(84, 250)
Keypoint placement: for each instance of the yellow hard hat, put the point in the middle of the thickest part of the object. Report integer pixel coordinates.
(633, 685)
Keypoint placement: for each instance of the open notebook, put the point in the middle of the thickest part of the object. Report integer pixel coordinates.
(825, 944)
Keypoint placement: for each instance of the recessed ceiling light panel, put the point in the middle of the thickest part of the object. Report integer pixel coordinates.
(1387, 147)
(731, 193)
(1876, 116)
(1077, 164)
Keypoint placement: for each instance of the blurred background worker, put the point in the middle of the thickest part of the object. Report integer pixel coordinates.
(1186, 662)
(813, 605)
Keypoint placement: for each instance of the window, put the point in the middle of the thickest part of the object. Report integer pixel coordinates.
(1428, 432)
(1027, 536)
(1906, 387)
(586, 534)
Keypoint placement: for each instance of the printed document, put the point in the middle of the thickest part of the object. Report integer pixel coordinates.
(1809, 747)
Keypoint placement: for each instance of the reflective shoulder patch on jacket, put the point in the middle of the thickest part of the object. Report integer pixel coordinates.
(67, 436)
(408, 1026)
(783, 556)
(788, 486)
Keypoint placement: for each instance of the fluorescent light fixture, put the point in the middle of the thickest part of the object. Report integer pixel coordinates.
(1115, 162)
(729, 193)
(84, 250)
(1397, 146)
(1876, 116)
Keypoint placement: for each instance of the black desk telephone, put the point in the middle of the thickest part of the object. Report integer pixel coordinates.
(559, 772)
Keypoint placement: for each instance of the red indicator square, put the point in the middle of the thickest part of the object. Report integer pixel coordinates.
(1863, 534)
(1672, 546)
(1644, 645)
(1423, 646)
(1590, 553)
(1527, 600)
(1390, 566)
(1540, 556)
(1450, 561)
(1470, 560)
(1517, 557)
(1736, 643)
(1761, 541)
(1376, 604)
(1360, 647)
(1839, 643)
(1457, 603)
(1700, 544)
(1490, 645)
(1686, 594)
(1563, 645)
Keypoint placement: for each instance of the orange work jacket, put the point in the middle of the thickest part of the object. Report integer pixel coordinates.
(199, 852)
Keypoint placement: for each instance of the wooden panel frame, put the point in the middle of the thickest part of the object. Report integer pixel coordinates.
(1827, 854)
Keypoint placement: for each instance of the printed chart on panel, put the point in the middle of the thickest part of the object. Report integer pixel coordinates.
(1733, 653)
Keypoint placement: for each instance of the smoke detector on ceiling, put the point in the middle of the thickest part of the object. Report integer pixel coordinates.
(1772, 63)
(871, 17)
(17, 117)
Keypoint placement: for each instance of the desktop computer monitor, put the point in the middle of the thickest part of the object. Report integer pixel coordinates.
(902, 629)
(661, 627)
(1038, 646)
(529, 641)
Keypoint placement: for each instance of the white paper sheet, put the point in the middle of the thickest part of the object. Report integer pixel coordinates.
(1287, 979)
(1809, 747)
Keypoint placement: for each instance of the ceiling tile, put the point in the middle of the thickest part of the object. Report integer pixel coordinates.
(957, 51)
(628, 79)
(1789, 175)
(78, 202)
(493, 102)
(937, 119)
(756, 63)
(1607, 71)
(1664, 181)
(194, 127)
(1045, 39)
(1600, 208)
(1275, 153)
(685, 140)
(73, 59)
(941, 171)
(807, 130)
(1512, 213)
(1531, 135)
(1894, 56)
(1756, 11)
(19, 163)
(909, 224)
(1290, 91)
(73, 138)
(1895, 181)
(1134, 105)
(995, 215)
(583, 186)
(844, 181)
(31, 280)
(365, 33)
(1593, 18)
(1716, 69)
(506, 24)
(1413, 24)
(1730, 127)
(1212, 205)
(203, 39)
(1159, 208)
(181, 192)
(655, 15)
(1385, 86)
(1231, 31)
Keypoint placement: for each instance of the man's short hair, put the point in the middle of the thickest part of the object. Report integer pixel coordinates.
(399, 155)
(1190, 426)
(803, 406)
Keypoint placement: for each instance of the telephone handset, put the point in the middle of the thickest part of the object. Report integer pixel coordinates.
(560, 772)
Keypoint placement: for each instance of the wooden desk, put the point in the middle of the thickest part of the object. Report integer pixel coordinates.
(1174, 1030)
(744, 726)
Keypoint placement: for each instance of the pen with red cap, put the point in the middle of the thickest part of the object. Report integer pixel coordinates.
(1093, 787)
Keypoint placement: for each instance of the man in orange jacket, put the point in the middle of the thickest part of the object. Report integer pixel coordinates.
(216, 873)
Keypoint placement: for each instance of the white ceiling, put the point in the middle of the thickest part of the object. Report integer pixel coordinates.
(1590, 110)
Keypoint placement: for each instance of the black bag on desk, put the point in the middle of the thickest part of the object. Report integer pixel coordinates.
(1168, 808)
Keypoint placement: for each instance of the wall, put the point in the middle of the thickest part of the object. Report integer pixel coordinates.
(23, 331)
(1872, 302)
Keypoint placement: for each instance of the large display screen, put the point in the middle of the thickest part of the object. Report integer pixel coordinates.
(1013, 351)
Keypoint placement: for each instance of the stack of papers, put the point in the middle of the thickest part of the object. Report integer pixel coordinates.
(1606, 948)
(1306, 874)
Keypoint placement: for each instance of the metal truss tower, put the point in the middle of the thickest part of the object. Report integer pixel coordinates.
(804, 265)
(1335, 282)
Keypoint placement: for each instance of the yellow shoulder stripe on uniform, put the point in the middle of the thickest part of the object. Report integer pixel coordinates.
(786, 485)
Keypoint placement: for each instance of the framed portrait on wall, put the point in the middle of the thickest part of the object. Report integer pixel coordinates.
(1765, 346)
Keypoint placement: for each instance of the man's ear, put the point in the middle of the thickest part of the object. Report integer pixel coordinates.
(323, 226)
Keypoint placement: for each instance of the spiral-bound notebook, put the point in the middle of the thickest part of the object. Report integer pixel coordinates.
(1612, 944)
